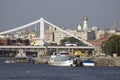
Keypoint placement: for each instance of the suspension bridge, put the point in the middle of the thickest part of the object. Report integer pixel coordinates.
(42, 22)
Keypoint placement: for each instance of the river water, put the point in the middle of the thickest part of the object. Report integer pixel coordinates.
(46, 72)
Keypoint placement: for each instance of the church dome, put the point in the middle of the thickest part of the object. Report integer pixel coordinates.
(79, 27)
(85, 18)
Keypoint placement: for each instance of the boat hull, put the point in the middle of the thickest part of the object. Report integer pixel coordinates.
(61, 63)
(88, 63)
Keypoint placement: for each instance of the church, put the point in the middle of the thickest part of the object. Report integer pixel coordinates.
(83, 32)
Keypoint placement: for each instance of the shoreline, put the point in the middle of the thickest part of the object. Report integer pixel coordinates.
(99, 61)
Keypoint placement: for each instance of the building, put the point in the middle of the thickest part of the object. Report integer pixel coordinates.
(3, 42)
(85, 23)
(54, 35)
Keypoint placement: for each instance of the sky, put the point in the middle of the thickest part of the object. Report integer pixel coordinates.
(66, 13)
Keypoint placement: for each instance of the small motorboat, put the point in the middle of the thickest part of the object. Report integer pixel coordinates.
(61, 59)
(88, 62)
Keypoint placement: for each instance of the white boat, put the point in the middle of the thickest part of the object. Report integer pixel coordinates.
(88, 63)
(9, 61)
(60, 59)
(21, 54)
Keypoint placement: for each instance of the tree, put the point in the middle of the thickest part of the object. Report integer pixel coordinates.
(71, 40)
(112, 45)
(64, 40)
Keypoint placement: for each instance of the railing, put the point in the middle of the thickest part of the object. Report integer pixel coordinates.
(38, 47)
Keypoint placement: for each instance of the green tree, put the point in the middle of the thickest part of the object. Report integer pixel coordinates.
(112, 45)
(70, 39)
(64, 40)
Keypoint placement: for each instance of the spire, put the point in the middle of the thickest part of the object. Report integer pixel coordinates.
(114, 26)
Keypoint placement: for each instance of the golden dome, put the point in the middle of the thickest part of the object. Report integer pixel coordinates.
(85, 18)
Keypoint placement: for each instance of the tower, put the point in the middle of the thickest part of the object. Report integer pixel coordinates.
(41, 31)
(114, 26)
(85, 20)
(79, 27)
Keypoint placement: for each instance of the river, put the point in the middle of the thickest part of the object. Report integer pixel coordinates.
(46, 72)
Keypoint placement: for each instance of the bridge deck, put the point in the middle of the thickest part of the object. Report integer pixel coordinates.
(40, 47)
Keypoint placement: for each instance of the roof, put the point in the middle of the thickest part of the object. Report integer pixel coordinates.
(95, 42)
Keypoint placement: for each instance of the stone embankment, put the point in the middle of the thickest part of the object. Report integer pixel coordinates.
(107, 61)
(99, 61)
(44, 59)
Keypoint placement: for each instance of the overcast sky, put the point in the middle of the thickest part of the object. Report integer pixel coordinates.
(67, 13)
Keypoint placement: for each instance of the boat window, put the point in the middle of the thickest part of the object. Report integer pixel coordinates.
(61, 58)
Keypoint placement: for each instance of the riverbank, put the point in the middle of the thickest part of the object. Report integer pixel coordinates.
(105, 61)
(99, 61)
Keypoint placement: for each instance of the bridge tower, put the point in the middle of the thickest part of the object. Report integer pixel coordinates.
(41, 31)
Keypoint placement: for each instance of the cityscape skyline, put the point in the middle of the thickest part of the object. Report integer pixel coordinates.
(101, 14)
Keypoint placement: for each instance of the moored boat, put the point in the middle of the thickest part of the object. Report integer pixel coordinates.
(88, 62)
(61, 59)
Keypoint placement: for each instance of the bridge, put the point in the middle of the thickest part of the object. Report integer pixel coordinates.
(42, 22)
(44, 49)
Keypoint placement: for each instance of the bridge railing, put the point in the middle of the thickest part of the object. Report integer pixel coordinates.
(81, 47)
